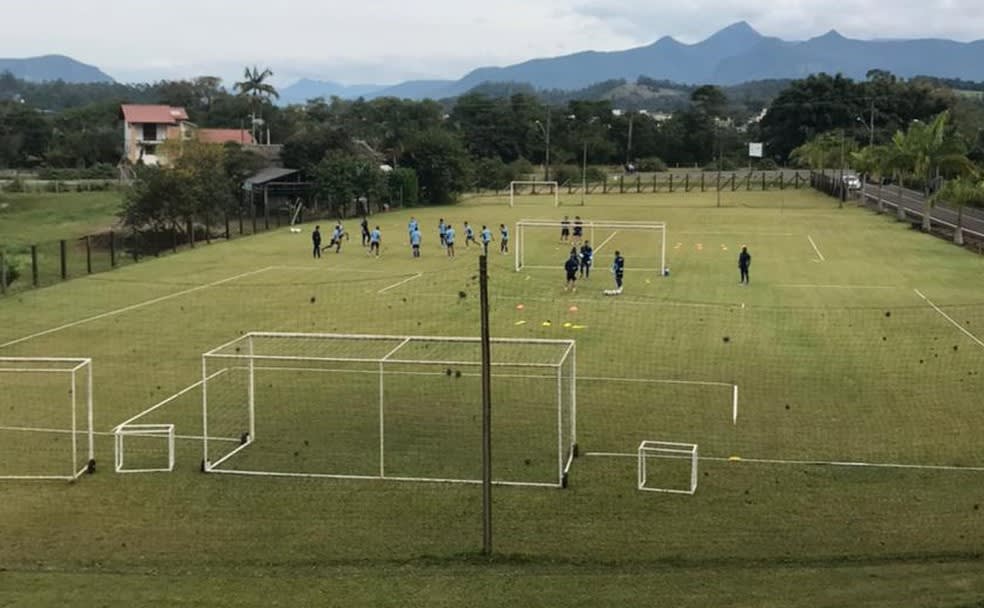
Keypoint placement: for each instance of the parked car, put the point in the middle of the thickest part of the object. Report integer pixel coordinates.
(853, 182)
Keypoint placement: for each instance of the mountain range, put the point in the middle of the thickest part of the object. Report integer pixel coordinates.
(733, 55)
(51, 68)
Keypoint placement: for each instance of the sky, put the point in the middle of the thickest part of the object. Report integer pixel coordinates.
(388, 41)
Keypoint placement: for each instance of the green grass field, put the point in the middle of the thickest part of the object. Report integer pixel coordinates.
(859, 426)
(26, 219)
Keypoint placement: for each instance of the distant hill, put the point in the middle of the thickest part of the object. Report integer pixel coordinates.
(734, 55)
(53, 67)
(306, 89)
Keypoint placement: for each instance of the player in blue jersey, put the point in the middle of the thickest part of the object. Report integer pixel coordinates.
(442, 230)
(415, 242)
(449, 235)
(412, 225)
(503, 239)
(469, 235)
(375, 238)
(336, 238)
(486, 235)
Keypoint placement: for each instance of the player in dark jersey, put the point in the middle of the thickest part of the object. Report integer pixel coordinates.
(571, 267)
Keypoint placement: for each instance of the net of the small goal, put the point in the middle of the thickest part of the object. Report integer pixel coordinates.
(384, 407)
(542, 244)
(534, 193)
(45, 418)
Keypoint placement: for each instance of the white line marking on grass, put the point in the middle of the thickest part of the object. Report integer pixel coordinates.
(108, 433)
(815, 248)
(653, 381)
(330, 269)
(119, 311)
(950, 319)
(816, 463)
(734, 408)
(403, 282)
(837, 286)
(168, 400)
(606, 241)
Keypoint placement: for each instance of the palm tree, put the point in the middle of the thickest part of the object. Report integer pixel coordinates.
(880, 161)
(257, 89)
(926, 150)
(960, 193)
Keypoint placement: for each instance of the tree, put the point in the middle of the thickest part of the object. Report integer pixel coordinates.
(960, 193)
(255, 87)
(442, 166)
(711, 100)
(928, 151)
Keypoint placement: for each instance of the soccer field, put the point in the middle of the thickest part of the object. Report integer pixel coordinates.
(836, 403)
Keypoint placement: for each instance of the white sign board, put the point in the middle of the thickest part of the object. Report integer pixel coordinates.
(755, 150)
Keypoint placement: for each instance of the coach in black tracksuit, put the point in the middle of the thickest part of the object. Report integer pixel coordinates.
(316, 241)
(744, 262)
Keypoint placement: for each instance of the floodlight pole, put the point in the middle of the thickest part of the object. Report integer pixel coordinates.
(483, 283)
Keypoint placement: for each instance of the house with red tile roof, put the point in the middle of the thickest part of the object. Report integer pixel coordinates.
(147, 127)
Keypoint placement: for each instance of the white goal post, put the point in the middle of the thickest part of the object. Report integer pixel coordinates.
(46, 420)
(132, 441)
(650, 451)
(402, 408)
(651, 259)
(550, 188)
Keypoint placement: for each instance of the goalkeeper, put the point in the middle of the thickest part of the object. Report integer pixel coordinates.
(571, 267)
(587, 256)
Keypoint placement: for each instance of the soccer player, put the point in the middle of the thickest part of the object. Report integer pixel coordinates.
(449, 240)
(412, 226)
(618, 269)
(587, 256)
(565, 229)
(442, 229)
(336, 238)
(744, 262)
(469, 235)
(503, 239)
(375, 237)
(578, 229)
(365, 231)
(571, 267)
(316, 240)
(486, 239)
(415, 241)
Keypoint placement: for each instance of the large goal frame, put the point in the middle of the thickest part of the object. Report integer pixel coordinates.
(79, 371)
(554, 189)
(589, 226)
(240, 354)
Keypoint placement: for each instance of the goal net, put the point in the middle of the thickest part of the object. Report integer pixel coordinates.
(540, 244)
(45, 418)
(388, 407)
(534, 192)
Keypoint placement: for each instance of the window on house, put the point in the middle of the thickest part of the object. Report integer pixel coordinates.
(150, 132)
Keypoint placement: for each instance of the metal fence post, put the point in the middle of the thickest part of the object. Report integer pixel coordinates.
(34, 265)
(63, 254)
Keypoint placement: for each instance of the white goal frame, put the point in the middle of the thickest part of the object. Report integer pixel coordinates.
(589, 228)
(81, 431)
(240, 354)
(162, 432)
(554, 189)
(666, 449)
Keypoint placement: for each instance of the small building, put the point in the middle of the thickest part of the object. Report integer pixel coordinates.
(147, 127)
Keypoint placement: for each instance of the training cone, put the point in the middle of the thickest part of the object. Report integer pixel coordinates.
(572, 309)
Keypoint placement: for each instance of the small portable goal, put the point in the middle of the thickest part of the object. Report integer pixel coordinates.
(46, 427)
(672, 461)
(144, 448)
(399, 408)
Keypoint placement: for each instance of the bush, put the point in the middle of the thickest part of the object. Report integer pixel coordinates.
(403, 188)
(13, 263)
(652, 164)
(493, 174)
(521, 168)
(15, 185)
(767, 164)
(97, 171)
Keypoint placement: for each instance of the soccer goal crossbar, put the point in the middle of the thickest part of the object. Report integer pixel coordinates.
(551, 188)
(591, 231)
(399, 408)
(46, 431)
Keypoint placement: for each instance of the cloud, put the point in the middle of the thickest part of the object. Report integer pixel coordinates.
(391, 40)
